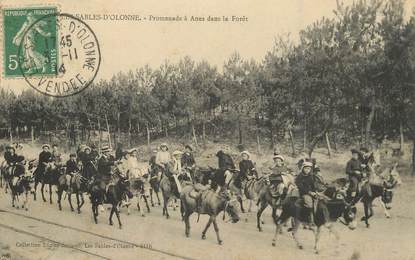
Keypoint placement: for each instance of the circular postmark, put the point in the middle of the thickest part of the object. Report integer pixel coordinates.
(69, 59)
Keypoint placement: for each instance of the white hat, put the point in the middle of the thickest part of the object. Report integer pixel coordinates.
(105, 148)
(247, 153)
(278, 156)
(306, 164)
(132, 150)
(165, 145)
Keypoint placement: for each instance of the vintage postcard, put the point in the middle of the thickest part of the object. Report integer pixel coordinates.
(190, 129)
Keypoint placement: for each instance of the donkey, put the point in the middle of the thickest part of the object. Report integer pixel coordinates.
(22, 186)
(118, 188)
(389, 180)
(212, 204)
(325, 211)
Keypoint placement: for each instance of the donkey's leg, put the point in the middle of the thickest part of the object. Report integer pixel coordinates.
(187, 224)
(50, 193)
(317, 233)
(385, 210)
(215, 226)
(158, 198)
(60, 191)
(239, 198)
(42, 191)
(295, 230)
(35, 190)
(111, 213)
(207, 227)
(151, 197)
(117, 213)
(146, 201)
(82, 199)
(263, 206)
(70, 200)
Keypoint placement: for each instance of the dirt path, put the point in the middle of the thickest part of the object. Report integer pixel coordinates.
(43, 232)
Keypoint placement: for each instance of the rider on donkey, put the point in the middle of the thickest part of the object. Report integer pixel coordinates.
(44, 158)
(354, 171)
(10, 157)
(19, 170)
(187, 160)
(247, 169)
(308, 185)
(226, 164)
(56, 157)
(71, 167)
(177, 169)
(277, 175)
(163, 156)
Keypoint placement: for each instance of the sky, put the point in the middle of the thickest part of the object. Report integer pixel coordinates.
(128, 45)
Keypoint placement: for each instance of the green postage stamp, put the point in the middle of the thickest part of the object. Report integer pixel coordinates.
(30, 44)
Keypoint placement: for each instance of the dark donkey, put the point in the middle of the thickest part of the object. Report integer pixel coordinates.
(117, 190)
(50, 176)
(212, 204)
(325, 211)
(169, 188)
(389, 180)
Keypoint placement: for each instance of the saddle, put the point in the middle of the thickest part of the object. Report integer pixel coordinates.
(197, 190)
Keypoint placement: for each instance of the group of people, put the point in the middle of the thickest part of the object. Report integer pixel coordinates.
(94, 165)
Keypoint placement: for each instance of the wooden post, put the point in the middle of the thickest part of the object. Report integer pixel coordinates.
(148, 136)
(258, 143)
(11, 134)
(401, 139)
(100, 135)
(194, 134)
(328, 144)
(290, 132)
(32, 134)
(129, 131)
(108, 131)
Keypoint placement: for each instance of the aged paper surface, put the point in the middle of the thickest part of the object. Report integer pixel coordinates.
(284, 123)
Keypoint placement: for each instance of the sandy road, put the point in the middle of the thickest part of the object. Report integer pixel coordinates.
(43, 232)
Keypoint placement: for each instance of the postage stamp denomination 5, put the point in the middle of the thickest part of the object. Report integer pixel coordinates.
(38, 41)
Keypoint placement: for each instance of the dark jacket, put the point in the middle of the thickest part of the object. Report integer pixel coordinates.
(104, 165)
(275, 176)
(306, 183)
(118, 153)
(71, 166)
(225, 161)
(352, 166)
(187, 160)
(44, 157)
(246, 167)
(10, 159)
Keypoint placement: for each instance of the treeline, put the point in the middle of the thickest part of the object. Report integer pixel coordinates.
(348, 79)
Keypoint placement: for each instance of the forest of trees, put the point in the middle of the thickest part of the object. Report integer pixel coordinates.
(348, 79)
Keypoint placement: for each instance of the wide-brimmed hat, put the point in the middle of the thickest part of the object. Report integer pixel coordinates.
(105, 148)
(72, 155)
(354, 151)
(86, 148)
(164, 145)
(306, 164)
(247, 153)
(278, 156)
(132, 150)
(45, 145)
(177, 152)
(187, 146)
